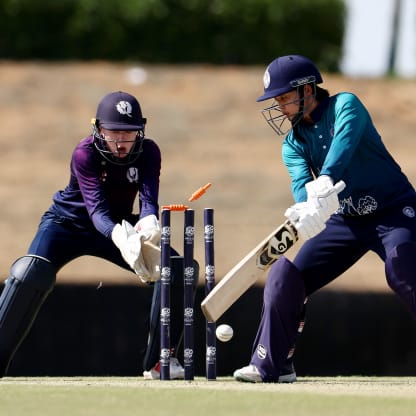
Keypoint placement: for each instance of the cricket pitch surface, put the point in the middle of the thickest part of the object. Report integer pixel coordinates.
(334, 396)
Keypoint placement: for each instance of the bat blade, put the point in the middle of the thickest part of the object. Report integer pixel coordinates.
(247, 271)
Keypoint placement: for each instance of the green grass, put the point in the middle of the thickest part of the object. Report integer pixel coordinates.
(76, 396)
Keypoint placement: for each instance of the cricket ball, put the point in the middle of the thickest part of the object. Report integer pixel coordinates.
(224, 332)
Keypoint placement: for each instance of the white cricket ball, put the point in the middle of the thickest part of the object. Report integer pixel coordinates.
(224, 332)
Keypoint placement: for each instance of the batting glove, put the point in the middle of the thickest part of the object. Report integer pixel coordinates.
(305, 219)
(323, 195)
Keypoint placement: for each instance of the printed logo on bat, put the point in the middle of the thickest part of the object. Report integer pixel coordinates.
(284, 238)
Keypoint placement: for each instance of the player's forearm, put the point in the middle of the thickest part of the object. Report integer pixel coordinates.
(103, 223)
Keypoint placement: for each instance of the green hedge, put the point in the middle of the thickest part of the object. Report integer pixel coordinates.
(173, 31)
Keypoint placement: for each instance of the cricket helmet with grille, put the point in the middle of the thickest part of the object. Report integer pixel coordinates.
(118, 111)
(283, 75)
(286, 73)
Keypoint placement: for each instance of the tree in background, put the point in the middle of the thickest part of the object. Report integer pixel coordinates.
(173, 31)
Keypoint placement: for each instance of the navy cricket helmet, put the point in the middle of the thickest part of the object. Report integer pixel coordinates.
(119, 111)
(286, 73)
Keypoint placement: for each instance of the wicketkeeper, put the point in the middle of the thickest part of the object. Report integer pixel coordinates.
(94, 216)
(328, 139)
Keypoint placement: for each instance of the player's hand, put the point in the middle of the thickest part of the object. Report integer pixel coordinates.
(140, 254)
(305, 219)
(323, 195)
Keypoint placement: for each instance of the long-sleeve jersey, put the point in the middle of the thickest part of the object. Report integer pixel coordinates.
(343, 143)
(101, 193)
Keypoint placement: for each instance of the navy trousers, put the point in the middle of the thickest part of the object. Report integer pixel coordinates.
(60, 240)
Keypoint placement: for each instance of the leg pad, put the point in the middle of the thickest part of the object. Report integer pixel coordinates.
(31, 280)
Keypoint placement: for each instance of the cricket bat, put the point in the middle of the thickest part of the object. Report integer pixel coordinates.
(245, 273)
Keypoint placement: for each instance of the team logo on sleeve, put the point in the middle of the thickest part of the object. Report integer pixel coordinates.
(133, 175)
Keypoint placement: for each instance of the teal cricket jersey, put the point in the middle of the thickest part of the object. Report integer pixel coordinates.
(344, 144)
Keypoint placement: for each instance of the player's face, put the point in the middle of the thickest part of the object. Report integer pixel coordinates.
(289, 104)
(289, 108)
(119, 143)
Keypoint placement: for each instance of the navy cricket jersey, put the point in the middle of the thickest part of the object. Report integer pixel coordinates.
(101, 193)
(343, 143)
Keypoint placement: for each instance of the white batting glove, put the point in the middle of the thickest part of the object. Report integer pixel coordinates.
(305, 219)
(141, 255)
(293, 213)
(323, 195)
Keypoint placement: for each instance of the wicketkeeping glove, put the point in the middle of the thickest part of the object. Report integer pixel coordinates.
(139, 252)
(149, 229)
(305, 219)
